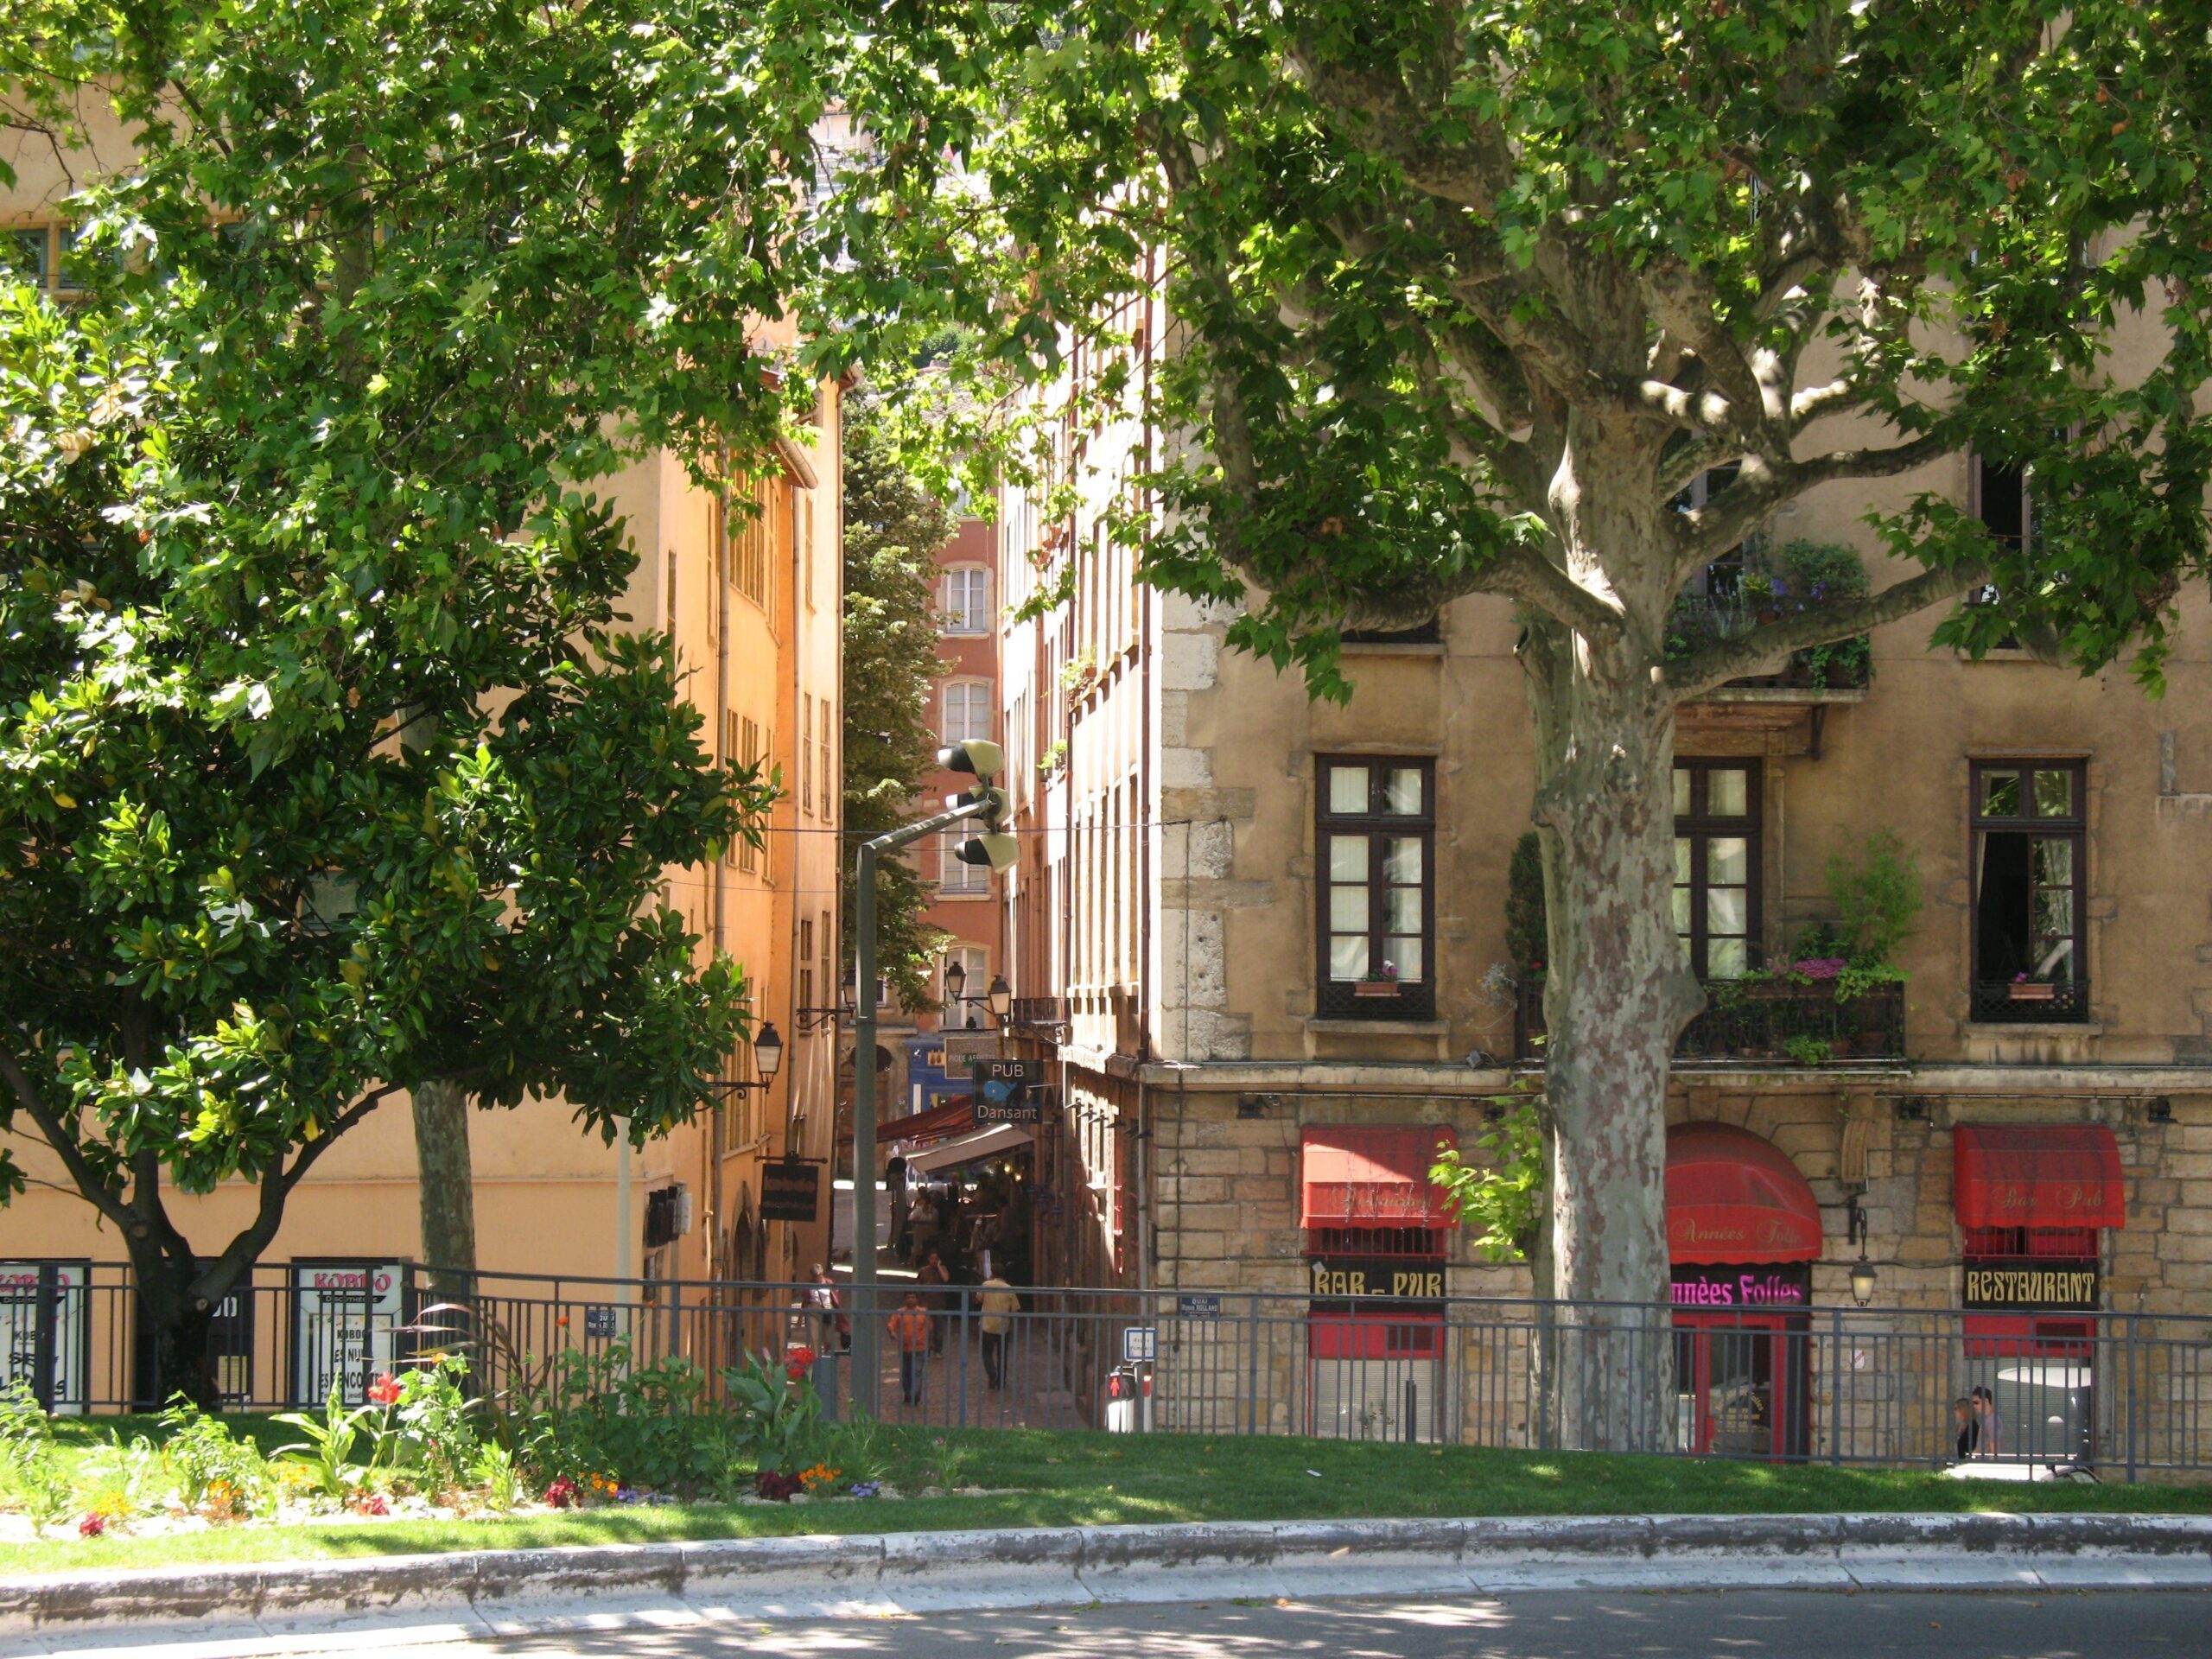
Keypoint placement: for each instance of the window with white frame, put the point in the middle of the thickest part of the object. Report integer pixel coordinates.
(964, 600)
(976, 963)
(958, 877)
(966, 710)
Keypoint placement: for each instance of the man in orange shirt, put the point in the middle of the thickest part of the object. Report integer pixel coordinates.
(910, 1329)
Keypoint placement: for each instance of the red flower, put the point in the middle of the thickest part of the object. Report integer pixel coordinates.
(93, 1526)
(796, 1361)
(562, 1494)
(385, 1391)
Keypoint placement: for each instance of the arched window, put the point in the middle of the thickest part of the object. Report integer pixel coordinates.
(966, 710)
(964, 599)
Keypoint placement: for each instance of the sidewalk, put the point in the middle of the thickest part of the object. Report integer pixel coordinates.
(280, 1607)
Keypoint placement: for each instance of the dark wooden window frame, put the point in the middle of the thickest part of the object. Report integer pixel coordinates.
(1991, 997)
(1701, 827)
(1337, 999)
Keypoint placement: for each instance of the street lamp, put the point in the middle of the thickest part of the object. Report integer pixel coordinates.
(767, 1061)
(1862, 1270)
(956, 981)
(1001, 996)
(987, 807)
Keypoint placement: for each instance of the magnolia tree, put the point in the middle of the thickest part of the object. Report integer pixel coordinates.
(1465, 295)
(326, 767)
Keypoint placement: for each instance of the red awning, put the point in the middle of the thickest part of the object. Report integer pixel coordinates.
(953, 1117)
(1734, 1197)
(2036, 1175)
(1362, 1177)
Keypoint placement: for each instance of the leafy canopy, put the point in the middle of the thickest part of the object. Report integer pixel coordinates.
(327, 761)
(893, 528)
(1468, 292)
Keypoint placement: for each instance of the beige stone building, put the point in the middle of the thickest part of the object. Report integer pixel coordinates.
(2019, 1134)
(753, 602)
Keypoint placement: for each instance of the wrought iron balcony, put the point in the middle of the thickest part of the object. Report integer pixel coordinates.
(1762, 1022)
(2030, 1002)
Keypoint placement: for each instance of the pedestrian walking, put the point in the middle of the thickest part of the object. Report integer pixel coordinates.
(932, 1274)
(910, 1329)
(834, 1325)
(1000, 1304)
(1991, 1426)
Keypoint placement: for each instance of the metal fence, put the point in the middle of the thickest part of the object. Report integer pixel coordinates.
(2123, 1395)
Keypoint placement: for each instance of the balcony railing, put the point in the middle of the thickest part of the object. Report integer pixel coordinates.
(1763, 1022)
(1045, 1015)
(2030, 1001)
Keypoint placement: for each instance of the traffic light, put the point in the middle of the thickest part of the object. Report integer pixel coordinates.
(993, 846)
(979, 759)
(982, 761)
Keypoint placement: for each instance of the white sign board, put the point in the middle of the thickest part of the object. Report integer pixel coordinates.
(44, 1306)
(344, 1314)
(1139, 1344)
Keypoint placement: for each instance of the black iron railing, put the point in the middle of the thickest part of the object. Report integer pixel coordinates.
(2121, 1392)
(2030, 1001)
(1763, 1022)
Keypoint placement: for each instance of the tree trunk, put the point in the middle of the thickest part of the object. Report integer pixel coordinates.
(446, 1182)
(1617, 992)
(179, 1325)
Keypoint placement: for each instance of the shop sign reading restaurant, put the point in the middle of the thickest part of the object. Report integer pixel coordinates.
(2028, 1284)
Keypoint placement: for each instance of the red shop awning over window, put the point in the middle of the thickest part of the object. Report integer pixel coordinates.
(954, 1118)
(1733, 1197)
(2038, 1175)
(1363, 1177)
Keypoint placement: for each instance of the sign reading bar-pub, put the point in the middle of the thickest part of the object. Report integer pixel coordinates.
(1342, 1278)
(1004, 1090)
(2030, 1283)
(790, 1190)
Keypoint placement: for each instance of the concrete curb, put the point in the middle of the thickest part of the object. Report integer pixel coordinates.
(237, 1609)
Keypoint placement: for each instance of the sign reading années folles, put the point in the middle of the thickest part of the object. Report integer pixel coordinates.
(790, 1190)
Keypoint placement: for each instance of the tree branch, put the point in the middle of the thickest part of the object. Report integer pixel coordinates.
(1527, 577)
(1766, 648)
(96, 1192)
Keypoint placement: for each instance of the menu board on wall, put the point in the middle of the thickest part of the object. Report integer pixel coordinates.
(345, 1317)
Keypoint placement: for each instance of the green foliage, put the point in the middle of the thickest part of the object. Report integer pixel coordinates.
(1527, 940)
(782, 1414)
(312, 464)
(892, 531)
(1857, 979)
(1877, 897)
(439, 1422)
(327, 1452)
(200, 1453)
(644, 1426)
(122, 1478)
(1500, 1194)
(1807, 1049)
(31, 1474)
(859, 1449)
(1404, 247)
(498, 1476)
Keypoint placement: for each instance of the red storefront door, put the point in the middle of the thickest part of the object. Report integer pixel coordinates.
(1743, 1383)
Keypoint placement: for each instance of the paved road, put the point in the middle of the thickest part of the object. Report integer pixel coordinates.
(1744, 1624)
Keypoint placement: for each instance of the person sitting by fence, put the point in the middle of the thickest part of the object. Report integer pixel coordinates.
(1969, 1430)
(910, 1329)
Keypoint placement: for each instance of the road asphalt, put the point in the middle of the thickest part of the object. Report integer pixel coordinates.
(1548, 1624)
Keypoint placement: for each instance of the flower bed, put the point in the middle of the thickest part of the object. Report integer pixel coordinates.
(584, 1432)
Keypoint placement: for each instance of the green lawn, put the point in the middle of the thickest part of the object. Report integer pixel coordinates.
(1088, 1479)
